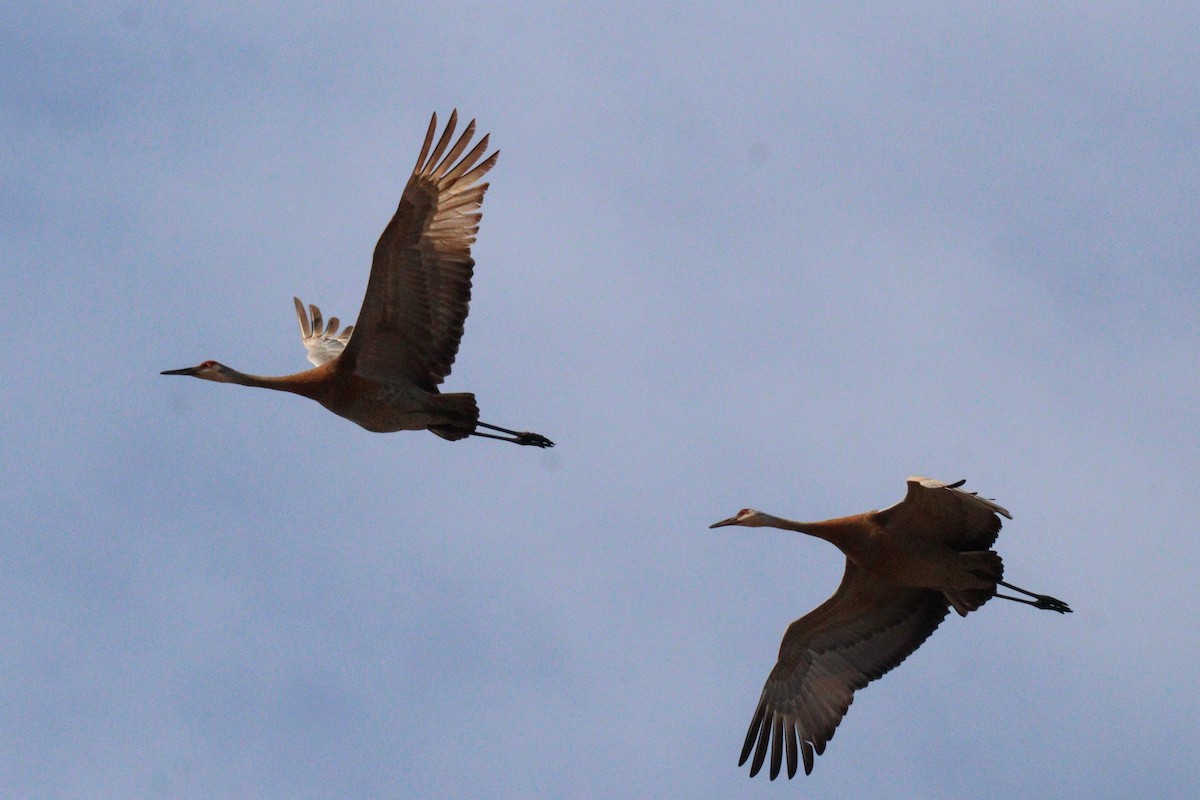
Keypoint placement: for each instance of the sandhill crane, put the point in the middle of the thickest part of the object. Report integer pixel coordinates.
(905, 567)
(383, 373)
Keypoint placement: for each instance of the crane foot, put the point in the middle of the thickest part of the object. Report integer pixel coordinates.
(1049, 603)
(533, 440)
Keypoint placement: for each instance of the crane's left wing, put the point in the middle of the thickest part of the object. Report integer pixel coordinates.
(323, 342)
(860, 633)
(416, 303)
(944, 513)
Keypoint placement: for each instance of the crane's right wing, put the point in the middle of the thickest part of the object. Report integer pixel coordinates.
(323, 343)
(942, 512)
(416, 302)
(860, 633)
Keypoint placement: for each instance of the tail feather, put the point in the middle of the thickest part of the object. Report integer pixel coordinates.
(967, 600)
(455, 415)
(986, 565)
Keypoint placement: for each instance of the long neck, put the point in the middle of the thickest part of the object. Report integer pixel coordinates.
(844, 532)
(305, 383)
(259, 381)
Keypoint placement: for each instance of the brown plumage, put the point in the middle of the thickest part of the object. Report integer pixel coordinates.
(383, 372)
(906, 566)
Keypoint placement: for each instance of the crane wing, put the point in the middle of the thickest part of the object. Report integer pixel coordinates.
(944, 513)
(860, 633)
(416, 302)
(323, 342)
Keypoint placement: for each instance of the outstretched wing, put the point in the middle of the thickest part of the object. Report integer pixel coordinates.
(942, 512)
(324, 343)
(412, 316)
(860, 633)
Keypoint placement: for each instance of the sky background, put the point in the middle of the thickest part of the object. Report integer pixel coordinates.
(777, 256)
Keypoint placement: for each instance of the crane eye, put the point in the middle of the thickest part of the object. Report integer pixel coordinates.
(208, 365)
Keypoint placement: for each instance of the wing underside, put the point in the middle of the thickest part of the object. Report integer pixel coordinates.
(322, 341)
(864, 630)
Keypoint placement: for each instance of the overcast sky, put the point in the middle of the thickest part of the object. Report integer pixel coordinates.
(760, 257)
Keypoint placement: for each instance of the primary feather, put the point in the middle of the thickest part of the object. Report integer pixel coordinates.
(323, 343)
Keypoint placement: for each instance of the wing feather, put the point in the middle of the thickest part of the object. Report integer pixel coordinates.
(418, 295)
(944, 513)
(446, 134)
(865, 629)
(323, 342)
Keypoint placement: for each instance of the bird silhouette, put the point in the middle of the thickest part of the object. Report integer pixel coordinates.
(906, 566)
(383, 372)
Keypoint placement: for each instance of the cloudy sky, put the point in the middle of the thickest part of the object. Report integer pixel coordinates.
(768, 257)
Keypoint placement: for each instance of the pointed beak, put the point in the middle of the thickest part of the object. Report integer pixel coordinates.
(184, 371)
(723, 523)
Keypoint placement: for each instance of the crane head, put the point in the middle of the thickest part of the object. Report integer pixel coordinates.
(209, 371)
(747, 517)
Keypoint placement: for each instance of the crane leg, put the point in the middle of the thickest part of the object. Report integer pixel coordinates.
(516, 437)
(1043, 601)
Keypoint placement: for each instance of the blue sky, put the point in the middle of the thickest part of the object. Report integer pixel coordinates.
(773, 257)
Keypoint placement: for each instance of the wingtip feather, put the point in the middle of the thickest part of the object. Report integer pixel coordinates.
(305, 328)
(776, 746)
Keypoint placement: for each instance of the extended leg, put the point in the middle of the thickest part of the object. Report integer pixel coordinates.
(1043, 601)
(517, 437)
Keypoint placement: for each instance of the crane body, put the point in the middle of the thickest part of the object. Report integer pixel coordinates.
(378, 406)
(383, 373)
(913, 562)
(906, 566)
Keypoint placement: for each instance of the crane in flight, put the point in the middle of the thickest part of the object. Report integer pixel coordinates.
(906, 566)
(383, 372)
